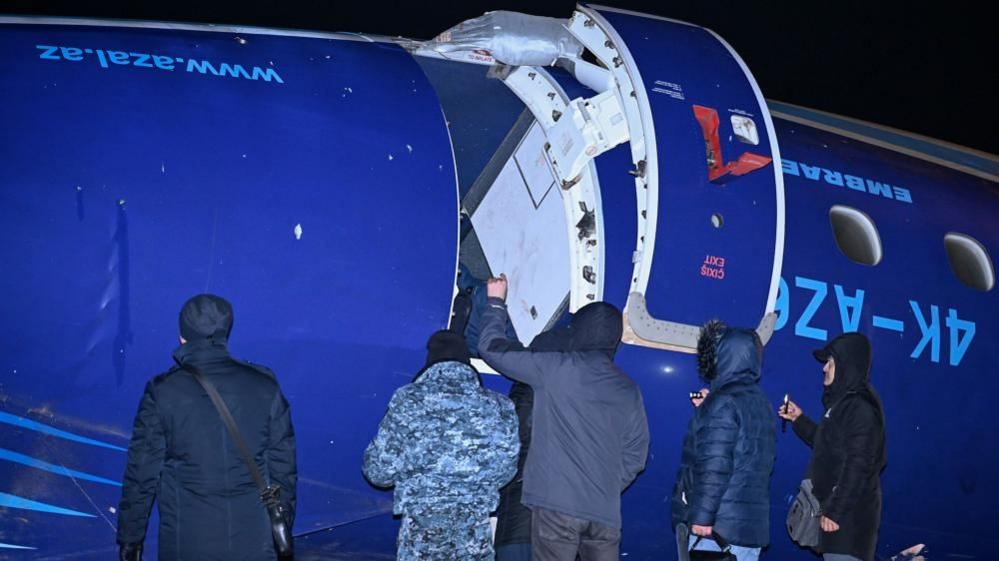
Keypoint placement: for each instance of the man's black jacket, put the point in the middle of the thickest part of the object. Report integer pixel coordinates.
(182, 456)
(848, 450)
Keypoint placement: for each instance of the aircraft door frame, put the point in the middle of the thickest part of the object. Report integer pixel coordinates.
(641, 328)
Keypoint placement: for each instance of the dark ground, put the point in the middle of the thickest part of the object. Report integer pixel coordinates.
(920, 68)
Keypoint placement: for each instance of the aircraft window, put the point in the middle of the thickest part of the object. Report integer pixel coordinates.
(970, 261)
(717, 220)
(856, 235)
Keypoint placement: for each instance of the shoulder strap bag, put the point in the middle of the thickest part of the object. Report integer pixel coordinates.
(803, 517)
(269, 494)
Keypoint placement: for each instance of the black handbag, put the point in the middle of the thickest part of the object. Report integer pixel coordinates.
(724, 555)
(270, 495)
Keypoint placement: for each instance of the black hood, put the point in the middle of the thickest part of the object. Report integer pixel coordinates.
(727, 355)
(852, 355)
(555, 339)
(596, 327)
(206, 316)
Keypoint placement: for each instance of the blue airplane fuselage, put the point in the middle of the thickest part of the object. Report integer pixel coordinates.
(314, 182)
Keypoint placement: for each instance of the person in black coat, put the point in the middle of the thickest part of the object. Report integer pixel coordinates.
(848, 450)
(181, 454)
(723, 485)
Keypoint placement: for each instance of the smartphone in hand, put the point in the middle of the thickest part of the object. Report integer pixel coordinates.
(698, 397)
(783, 421)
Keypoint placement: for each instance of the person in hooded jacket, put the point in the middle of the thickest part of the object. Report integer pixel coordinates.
(181, 454)
(447, 445)
(723, 485)
(513, 519)
(848, 450)
(589, 438)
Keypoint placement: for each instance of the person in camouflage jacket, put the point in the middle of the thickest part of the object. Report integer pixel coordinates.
(447, 445)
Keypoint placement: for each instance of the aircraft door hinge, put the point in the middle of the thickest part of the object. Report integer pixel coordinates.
(578, 130)
(575, 132)
(586, 128)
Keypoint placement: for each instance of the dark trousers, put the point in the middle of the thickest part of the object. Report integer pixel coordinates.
(560, 537)
(513, 552)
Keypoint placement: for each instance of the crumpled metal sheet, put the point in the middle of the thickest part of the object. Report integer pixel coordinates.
(511, 38)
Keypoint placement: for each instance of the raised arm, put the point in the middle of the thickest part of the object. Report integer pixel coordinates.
(803, 426)
(508, 357)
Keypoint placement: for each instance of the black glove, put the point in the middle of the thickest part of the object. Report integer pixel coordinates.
(130, 552)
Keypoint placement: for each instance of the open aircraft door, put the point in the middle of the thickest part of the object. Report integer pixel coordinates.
(710, 195)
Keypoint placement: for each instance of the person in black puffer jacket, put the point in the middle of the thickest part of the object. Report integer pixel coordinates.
(848, 450)
(723, 485)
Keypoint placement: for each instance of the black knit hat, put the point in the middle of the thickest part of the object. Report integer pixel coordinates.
(206, 316)
(447, 345)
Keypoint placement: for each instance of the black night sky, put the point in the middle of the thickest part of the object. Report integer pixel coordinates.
(920, 68)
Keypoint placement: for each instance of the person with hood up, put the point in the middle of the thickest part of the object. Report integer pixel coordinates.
(182, 456)
(589, 438)
(848, 450)
(513, 519)
(447, 445)
(723, 485)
